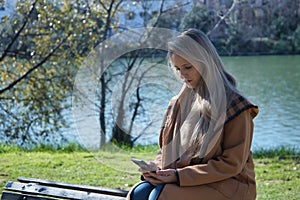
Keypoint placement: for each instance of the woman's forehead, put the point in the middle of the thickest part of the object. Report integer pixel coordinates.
(178, 60)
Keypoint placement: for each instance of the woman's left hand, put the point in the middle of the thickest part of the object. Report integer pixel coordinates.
(161, 176)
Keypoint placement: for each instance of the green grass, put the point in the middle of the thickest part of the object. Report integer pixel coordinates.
(278, 173)
(277, 170)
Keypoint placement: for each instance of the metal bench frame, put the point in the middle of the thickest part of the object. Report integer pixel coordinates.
(33, 189)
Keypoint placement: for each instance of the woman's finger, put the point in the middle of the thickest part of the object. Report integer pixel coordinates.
(153, 181)
(166, 172)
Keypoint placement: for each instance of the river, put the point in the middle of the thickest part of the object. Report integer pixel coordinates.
(270, 82)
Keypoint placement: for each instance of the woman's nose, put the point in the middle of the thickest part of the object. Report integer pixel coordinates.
(183, 72)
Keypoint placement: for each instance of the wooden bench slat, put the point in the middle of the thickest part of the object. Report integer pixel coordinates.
(93, 189)
(36, 189)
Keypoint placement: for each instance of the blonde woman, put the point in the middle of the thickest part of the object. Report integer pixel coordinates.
(207, 131)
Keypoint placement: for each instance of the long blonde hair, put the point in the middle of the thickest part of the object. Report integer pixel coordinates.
(201, 112)
(195, 47)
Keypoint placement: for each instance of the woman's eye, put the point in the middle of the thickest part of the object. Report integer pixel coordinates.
(185, 67)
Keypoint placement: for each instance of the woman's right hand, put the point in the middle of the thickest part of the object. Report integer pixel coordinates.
(150, 175)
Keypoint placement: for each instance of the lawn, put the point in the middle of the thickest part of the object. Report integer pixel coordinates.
(277, 171)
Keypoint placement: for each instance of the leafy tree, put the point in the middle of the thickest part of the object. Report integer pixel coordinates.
(270, 29)
(198, 18)
(41, 47)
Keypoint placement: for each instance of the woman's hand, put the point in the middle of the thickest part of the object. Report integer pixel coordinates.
(161, 176)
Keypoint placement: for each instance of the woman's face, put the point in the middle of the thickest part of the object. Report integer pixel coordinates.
(187, 71)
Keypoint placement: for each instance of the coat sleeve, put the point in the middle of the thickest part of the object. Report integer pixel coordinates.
(235, 144)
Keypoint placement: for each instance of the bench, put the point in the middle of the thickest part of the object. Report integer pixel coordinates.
(36, 189)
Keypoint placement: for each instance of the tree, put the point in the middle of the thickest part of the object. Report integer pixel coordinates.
(131, 53)
(41, 48)
(198, 18)
(132, 104)
(247, 27)
(132, 77)
(170, 17)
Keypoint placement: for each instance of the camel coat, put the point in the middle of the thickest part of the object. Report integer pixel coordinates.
(227, 172)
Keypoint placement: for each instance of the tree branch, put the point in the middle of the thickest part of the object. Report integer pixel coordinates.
(222, 18)
(103, 5)
(19, 31)
(159, 13)
(15, 82)
(116, 8)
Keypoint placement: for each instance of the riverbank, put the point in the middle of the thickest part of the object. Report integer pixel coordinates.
(277, 170)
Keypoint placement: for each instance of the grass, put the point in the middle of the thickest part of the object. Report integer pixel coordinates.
(277, 170)
(278, 173)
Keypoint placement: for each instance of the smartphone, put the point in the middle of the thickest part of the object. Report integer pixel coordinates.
(143, 165)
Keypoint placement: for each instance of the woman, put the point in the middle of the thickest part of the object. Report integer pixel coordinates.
(207, 131)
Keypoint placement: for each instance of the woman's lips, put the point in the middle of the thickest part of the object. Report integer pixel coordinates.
(188, 81)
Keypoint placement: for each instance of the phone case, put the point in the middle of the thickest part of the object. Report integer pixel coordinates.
(143, 165)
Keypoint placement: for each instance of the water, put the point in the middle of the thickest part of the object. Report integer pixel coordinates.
(270, 82)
